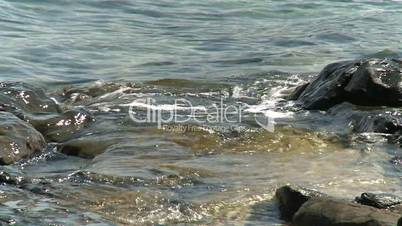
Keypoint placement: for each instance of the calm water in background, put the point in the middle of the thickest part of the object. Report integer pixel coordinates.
(146, 40)
(237, 49)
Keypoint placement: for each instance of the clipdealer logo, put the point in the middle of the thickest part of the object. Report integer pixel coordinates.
(182, 111)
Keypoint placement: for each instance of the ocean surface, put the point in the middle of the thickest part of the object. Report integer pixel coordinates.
(244, 52)
(72, 41)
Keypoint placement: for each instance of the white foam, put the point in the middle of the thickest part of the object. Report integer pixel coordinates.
(118, 91)
(163, 107)
(268, 107)
(271, 113)
(237, 92)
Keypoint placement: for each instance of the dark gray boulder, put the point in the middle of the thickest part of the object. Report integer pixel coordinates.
(327, 89)
(332, 212)
(18, 139)
(367, 82)
(290, 198)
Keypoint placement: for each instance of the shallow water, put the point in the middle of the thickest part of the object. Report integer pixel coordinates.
(211, 51)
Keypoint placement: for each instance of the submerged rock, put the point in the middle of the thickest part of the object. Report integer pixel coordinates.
(7, 178)
(74, 95)
(86, 147)
(367, 82)
(18, 139)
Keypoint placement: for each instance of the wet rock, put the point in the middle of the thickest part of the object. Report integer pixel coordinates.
(18, 139)
(387, 123)
(380, 123)
(35, 107)
(380, 201)
(328, 88)
(297, 91)
(20, 98)
(291, 198)
(331, 212)
(61, 127)
(367, 82)
(7, 178)
(397, 160)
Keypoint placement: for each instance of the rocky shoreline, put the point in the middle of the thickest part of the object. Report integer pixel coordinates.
(366, 82)
(30, 119)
